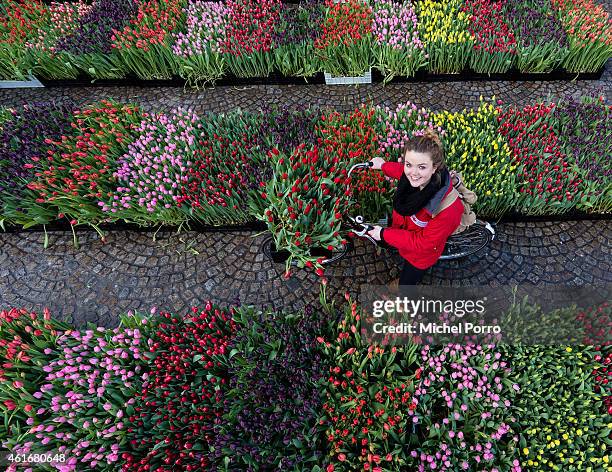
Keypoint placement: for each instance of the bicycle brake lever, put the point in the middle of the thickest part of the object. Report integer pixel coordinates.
(361, 165)
(359, 227)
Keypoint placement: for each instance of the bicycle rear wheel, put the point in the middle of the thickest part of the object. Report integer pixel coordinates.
(472, 240)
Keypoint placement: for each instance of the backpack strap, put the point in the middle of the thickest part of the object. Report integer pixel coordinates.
(456, 179)
(447, 201)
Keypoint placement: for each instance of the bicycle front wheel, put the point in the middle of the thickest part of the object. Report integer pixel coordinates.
(281, 256)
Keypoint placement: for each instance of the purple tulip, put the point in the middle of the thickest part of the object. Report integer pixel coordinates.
(95, 31)
(273, 396)
(23, 141)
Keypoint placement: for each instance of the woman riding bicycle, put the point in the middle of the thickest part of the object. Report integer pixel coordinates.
(426, 207)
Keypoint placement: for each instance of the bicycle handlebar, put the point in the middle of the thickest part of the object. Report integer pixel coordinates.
(361, 228)
(361, 165)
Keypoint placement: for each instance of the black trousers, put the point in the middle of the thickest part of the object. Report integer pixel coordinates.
(410, 274)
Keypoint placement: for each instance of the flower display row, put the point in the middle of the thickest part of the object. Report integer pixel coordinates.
(110, 162)
(19, 22)
(235, 388)
(203, 41)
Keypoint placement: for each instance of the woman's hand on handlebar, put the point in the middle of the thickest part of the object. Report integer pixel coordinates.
(377, 163)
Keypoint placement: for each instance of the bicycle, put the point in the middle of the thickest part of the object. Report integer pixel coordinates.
(476, 237)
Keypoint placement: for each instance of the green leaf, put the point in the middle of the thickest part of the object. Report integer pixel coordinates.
(604, 433)
(118, 398)
(158, 445)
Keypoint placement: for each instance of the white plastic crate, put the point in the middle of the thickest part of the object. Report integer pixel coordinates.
(362, 79)
(33, 82)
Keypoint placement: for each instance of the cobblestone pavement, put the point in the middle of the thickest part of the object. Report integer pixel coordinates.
(452, 96)
(131, 271)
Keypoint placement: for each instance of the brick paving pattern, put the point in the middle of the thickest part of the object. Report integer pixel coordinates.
(131, 271)
(452, 96)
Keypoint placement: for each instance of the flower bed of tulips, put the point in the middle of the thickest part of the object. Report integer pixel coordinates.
(369, 399)
(42, 55)
(583, 127)
(494, 42)
(202, 42)
(145, 46)
(248, 42)
(444, 31)
(234, 388)
(25, 342)
(198, 49)
(26, 138)
(573, 435)
(19, 23)
(541, 41)
(475, 147)
(546, 178)
(465, 410)
(229, 168)
(174, 413)
(345, 44)
(589, 29)
(108, 162)
(89, 48)
(272, 399)
(294, 39)
(152, 171)
(87, 383)
(79, 166)
(399, 50)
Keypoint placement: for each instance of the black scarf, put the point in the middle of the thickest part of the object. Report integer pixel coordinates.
(409, 200)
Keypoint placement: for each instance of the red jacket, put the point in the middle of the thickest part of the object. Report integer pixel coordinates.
(420, 238)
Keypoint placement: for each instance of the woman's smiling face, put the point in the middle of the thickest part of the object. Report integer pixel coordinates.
(418, 168)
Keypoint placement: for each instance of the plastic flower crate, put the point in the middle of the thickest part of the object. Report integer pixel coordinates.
(32, 82)
(342, 80)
